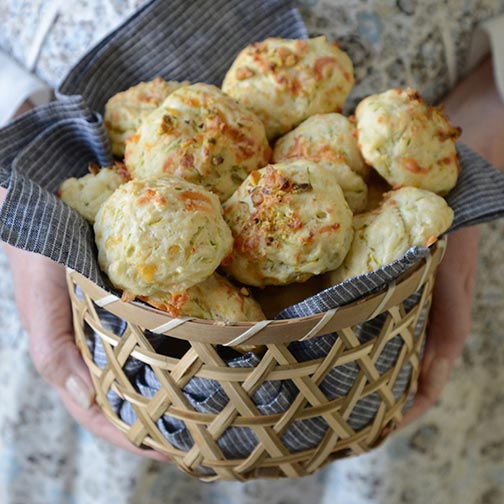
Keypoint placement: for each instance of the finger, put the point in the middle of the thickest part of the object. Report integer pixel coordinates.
(46, 315)
(448, 328)
(449, 321)
(51, 338)
(450, 317)
(95, 422)
(445, 340)
(58, 361)
(432, 381)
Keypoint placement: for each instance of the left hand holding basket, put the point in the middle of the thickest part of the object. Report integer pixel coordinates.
(44, 310)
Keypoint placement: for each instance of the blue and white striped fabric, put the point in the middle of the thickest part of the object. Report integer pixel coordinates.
(272, 397)
(195, 41)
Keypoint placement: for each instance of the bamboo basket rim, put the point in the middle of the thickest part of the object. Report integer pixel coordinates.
(267, 331)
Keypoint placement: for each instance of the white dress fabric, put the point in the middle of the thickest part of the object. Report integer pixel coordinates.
(454, 453)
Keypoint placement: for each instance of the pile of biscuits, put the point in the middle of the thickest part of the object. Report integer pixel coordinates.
(263, 182)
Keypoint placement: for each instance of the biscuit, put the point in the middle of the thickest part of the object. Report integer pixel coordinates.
(216, 298)
(125, 110)
(201, 135)
(329, 139)
(407, 217)
(323, 137)
(86, 194)
(160, 235)
(285, 81)
(289, 221)
(408, 142)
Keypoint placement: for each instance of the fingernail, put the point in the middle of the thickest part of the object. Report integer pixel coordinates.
(439, 372)
(79, 391)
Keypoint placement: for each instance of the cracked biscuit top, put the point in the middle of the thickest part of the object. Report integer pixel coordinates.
(87, 194)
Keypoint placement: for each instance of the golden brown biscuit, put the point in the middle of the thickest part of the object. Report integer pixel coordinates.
(86, 194)
(125, 110)
(329, 139)
(201, 135)
(285, 81)
(323, 138)
(216, 298)
(407, 217)
(408, 142)
(160, 235)
(289, 221)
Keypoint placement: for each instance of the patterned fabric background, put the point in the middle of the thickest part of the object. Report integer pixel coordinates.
(392, 43)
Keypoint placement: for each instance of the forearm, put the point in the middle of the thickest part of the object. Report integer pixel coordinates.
(476, 107)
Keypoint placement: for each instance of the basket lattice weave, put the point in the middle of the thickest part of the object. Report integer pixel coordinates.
(270, 458)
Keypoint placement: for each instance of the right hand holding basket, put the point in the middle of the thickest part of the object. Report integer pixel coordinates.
(450, 319)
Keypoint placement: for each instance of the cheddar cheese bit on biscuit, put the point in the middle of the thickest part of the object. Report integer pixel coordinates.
(329, 139)
(216, 298)
(125, 111)
(289, 221)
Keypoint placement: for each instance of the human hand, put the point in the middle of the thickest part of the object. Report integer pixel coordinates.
(45, 313)
(450, 319)
(474, 105)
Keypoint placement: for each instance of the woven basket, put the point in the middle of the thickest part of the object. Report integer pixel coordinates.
(270, 458)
